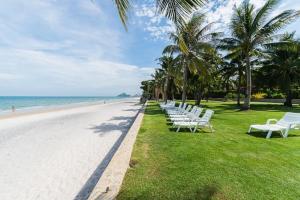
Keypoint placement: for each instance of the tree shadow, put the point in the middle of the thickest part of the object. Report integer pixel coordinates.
(108, 128)
(207, 192)
(275, 134)
(131, 110)
(102, 130)
(228, 107)
(153, 110)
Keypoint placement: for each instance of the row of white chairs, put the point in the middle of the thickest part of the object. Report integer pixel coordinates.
(186, 116)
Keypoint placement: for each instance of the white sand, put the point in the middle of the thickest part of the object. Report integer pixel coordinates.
(53, 155)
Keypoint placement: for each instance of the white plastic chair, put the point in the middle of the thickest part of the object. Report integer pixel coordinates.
(288, 121)
(204, 121)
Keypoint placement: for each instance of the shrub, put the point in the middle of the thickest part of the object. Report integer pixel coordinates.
(278, 95)
(230, 95)
(259, 95)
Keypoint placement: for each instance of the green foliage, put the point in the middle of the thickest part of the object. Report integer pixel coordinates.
(231, 95)
(277, 95)
(250, 29)
(176, 11)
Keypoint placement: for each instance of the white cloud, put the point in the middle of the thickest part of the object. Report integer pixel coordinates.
(62, 75)
(157, 25)
(62, 48)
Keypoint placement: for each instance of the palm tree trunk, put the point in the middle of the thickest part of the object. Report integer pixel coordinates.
(166, 90)
(198, 97)
(184, 88)
(247, 101)
(288, 99)
(239, 88)
(172, 91)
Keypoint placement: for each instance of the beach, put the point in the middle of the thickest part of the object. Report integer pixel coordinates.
(59, 154)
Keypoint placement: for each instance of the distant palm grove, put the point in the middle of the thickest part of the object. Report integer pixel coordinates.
(254, 61)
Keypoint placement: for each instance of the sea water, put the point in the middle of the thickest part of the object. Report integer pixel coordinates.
(7, 103)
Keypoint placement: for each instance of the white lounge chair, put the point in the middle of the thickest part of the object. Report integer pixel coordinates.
(181, 112)
(193, 110)
(289, 121)
(168, 105)
(193, 124)
(177, 110)
(189, 116)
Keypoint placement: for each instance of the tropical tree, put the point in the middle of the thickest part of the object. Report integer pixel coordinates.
(250, 29)
(175, 10)
(148, 89)
(169, 72)
(233, 69)
(190, 43)
(282, 64)
(158, 82)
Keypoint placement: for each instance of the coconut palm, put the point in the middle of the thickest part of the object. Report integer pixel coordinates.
(282, 64)
(175, 10)
(250, 29)
(190, 43)
(168, 70)
(159, 80)
(233, 69)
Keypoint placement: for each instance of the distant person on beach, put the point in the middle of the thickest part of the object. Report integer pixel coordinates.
(13, 109)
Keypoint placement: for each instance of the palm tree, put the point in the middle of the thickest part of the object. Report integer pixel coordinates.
(234, 68)
(250, 30)
(190, 43)
(282, 63)
(168, 69)
(158, 82)
(175, 10)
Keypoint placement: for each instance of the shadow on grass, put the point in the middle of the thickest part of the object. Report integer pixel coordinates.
(153, 110)
(187, 130)
(225, 107)
(260, 134)
(208, 192)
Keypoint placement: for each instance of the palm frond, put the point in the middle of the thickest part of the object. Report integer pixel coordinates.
(178, 10)
(123, 7)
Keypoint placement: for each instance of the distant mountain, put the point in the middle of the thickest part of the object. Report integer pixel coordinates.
(123, 95)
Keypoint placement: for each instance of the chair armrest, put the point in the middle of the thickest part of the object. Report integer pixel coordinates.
(271, 120)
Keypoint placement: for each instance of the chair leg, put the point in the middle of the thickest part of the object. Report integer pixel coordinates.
(269, 134)
(211, 128)
(195, 129)
(249, 131)
(178, 129)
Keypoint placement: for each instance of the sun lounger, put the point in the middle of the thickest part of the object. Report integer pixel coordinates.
(204, 121)
(289, 121)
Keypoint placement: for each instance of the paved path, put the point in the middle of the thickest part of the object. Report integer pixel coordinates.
(60, 155)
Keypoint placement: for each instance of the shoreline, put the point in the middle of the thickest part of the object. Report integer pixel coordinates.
(57, 108)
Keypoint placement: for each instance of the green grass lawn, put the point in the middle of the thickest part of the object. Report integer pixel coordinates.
(227, 164)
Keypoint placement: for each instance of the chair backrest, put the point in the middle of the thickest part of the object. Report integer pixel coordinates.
(207, 115)
(196, 114)
(290, 119)
(180, 105)
(193, 109)
(184, 106)
(188, 108)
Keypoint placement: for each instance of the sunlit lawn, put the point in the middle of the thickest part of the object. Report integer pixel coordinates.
(227, 164)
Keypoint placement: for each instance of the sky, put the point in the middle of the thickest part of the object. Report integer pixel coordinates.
(80, 47)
